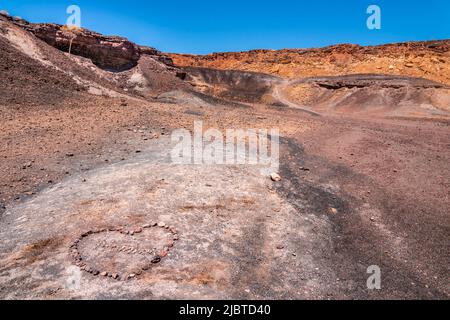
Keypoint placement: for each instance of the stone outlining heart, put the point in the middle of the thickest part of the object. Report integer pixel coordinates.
(123, 253)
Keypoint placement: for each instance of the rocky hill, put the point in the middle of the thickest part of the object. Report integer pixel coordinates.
(94, 63)
(107, 52)
(430, 60)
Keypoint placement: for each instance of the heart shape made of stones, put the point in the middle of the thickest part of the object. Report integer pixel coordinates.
(123, 253)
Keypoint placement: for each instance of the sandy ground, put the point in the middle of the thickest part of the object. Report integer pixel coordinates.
(353, 193)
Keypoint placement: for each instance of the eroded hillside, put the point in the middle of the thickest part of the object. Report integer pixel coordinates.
(430, 60)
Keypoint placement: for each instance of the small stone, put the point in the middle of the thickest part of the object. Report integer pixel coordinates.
(131, 276)
(372, 219)
(280, 246)
(275, 177)
(138, 230)
(27, 165)
(115, 276)
(156, 260)
(147, 225)
(163, 253)
(69, 154)
(170, 244)
(434, 59)
(104, 274)
(333, 210)
(161, 224)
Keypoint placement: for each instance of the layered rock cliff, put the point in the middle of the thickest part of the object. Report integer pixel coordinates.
(428, 59)
(112, 53)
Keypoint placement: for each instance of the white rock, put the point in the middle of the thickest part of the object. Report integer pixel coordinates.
(275, 177)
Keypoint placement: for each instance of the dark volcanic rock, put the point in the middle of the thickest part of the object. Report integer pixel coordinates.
(370, 80)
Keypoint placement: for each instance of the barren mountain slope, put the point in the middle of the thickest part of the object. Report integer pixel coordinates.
(430, 60)
(131, 70)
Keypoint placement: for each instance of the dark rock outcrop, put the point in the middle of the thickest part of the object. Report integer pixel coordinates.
(107, 52)
(374, 80)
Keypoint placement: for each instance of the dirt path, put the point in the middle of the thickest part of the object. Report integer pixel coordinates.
(278, 94)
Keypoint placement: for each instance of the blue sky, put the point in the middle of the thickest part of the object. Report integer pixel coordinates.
(206, 26)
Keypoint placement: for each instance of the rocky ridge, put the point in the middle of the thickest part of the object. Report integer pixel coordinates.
(427, 59)
(112, 53)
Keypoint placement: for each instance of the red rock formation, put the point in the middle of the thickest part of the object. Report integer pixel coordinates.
(107, 52)
(427, 59)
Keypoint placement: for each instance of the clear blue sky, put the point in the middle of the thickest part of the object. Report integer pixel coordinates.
(200, 26)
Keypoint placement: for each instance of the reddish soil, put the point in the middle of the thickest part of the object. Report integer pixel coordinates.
(359, 189)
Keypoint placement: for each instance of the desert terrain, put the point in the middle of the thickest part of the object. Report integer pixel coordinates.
(91, 206)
